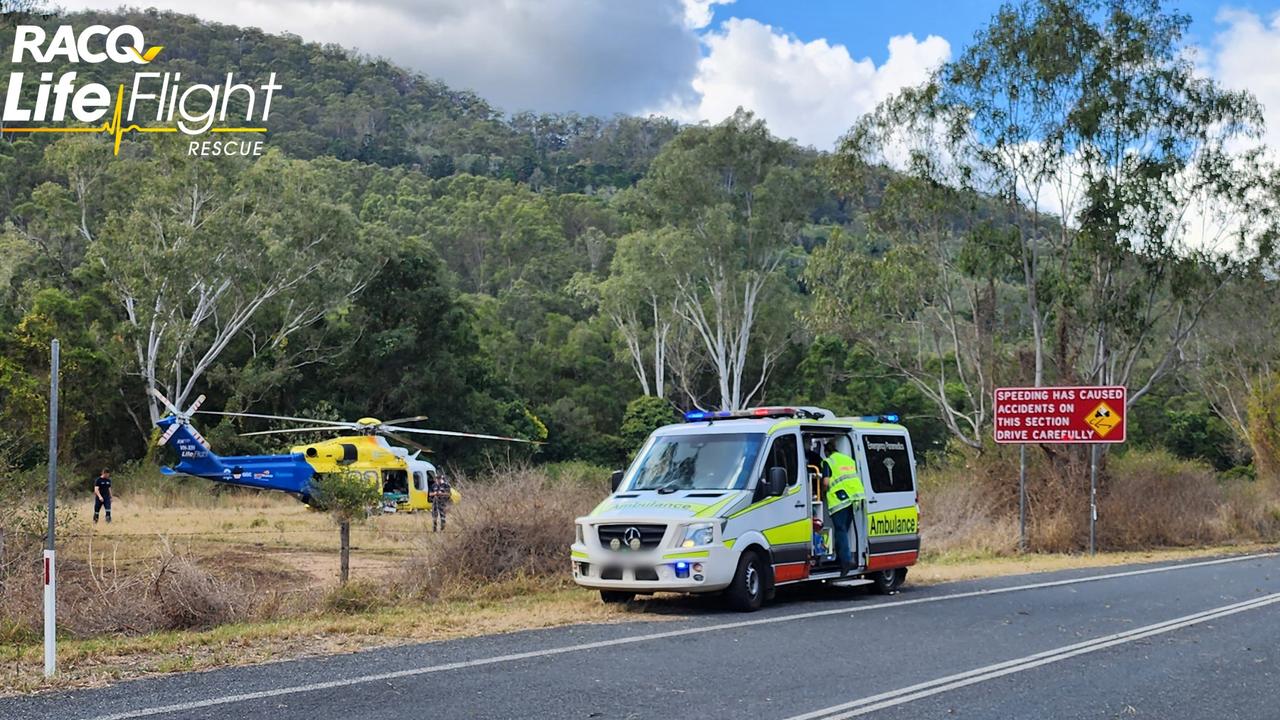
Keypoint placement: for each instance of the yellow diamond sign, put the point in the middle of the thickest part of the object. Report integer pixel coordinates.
(1102, 419)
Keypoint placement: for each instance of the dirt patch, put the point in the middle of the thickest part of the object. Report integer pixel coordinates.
(323, 568)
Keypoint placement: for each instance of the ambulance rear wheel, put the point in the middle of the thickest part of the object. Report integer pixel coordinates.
(888, 581)
(616, 597)
(747, 591)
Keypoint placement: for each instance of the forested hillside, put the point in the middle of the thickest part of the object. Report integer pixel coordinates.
(404, 248)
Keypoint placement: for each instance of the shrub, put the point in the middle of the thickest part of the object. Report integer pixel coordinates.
(516, 526)
(1151, 498)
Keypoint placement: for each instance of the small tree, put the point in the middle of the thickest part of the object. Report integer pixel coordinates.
(644, 415)
(349, 497)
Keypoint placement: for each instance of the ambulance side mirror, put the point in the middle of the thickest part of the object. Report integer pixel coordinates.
(777, 481)
(615, 479)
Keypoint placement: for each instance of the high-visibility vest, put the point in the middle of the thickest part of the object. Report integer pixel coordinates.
(846, 487)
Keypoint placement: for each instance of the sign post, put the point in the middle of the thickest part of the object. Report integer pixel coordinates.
(50, 566)
(1022, 498)
(1088, 414)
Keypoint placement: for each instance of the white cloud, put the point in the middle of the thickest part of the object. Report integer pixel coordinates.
(1248, 58)
(698, 13)
(589, 56)
(811, 91)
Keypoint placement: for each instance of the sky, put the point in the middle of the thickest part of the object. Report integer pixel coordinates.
(809, 67)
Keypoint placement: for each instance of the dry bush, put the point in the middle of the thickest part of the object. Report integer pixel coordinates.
(173, 591)
(1145, 499)
(1150, 499)
(958, 517)
(508, 535)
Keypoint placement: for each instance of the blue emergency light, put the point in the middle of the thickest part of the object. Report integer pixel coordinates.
(682, 569)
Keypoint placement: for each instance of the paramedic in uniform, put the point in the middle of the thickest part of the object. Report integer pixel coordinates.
(440, 493)
(844, 493)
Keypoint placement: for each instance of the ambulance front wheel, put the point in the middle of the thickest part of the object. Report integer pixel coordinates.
(616, 597)
(750, 584)
(888, 581)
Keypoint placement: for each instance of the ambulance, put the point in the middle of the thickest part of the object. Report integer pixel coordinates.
(733, 503)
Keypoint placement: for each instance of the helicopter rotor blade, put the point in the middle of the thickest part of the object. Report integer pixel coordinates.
(168, 434)
(410, 443)
(199, 438)
(331, 423)
(451, 433)
(160, 396)
(397, 421)
(318, 428)
(195, 405)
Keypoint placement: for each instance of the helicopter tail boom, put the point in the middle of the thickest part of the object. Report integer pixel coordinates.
(287, 473)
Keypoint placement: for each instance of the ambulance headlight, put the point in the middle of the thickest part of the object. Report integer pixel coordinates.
(699, 534)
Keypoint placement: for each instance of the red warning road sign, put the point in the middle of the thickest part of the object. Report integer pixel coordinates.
(1088, 414)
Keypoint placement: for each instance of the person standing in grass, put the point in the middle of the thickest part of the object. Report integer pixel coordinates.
(102, 494)
(441, 494)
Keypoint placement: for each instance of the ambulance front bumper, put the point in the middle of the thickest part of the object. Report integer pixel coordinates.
(647, 554)
(707, 568)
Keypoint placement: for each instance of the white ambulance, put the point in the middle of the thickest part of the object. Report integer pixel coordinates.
(733, 502)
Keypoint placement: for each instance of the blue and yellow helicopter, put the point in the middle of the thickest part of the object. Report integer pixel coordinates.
(362, 447)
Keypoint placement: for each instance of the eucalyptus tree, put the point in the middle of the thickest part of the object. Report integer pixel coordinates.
(728, 203)
(643, 312)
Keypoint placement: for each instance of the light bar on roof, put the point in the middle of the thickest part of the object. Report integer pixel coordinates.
(759, 412)
(776, 412)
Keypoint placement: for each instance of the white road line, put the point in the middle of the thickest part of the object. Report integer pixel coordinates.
(685, 632)
(872, 703)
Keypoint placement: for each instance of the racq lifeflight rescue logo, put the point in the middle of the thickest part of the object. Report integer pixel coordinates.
(148, 102)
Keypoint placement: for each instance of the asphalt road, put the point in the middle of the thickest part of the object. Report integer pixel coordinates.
(1192, 640)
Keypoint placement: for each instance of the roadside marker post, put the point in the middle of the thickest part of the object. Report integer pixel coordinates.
(50, 564)
(1049, 415)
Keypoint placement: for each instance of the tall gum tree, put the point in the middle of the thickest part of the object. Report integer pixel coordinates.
(728, 203)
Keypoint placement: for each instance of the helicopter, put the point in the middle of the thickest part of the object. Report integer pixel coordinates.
(403, 478)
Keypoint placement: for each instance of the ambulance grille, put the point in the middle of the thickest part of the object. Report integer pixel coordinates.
(650, 535)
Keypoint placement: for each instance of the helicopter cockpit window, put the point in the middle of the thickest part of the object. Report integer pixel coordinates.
(395, 481)
(420, 481)
(349, 454)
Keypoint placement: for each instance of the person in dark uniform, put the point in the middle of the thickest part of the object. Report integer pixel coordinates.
(102, 494)
(441, 494)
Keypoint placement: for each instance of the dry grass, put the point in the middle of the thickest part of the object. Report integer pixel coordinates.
(506, 532)
(1145, 500)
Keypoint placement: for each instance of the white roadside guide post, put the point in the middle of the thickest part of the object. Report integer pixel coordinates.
(50, 567)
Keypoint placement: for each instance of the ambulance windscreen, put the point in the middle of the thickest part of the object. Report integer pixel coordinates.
(720, 461)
